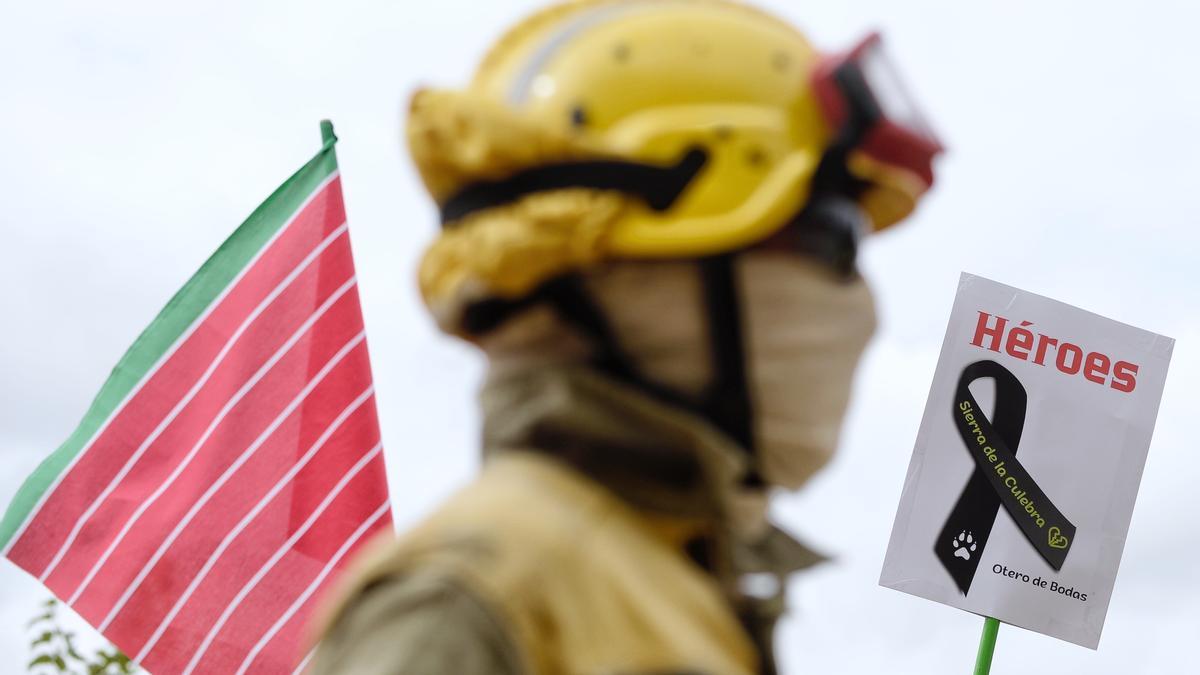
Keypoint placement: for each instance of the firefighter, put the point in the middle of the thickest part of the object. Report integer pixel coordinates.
(650, 214)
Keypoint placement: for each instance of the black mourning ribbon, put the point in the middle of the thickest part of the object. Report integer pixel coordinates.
(998, 479)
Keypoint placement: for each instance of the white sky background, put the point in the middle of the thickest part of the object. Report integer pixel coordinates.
(137, 135)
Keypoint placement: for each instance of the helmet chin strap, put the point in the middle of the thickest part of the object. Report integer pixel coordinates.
(726, 401)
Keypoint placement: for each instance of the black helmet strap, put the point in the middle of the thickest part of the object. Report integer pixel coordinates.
(658, 186)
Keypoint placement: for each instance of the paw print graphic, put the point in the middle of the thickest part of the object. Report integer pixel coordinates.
(964, 545)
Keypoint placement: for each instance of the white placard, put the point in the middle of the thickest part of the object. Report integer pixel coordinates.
(1031, 535)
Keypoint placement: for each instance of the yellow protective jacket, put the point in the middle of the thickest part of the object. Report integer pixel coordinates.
(599, 539)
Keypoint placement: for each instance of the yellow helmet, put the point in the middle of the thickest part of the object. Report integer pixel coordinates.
(602, 129)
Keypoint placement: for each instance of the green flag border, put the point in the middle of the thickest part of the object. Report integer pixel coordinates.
(174, 323)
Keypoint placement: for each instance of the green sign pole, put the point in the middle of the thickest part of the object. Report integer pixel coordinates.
(987, 645)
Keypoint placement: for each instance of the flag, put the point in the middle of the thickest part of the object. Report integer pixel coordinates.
(231, 463)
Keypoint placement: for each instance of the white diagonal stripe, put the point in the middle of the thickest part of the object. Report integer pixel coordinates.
(304, 664)
(212, 489)
(275, 558)
(183, 402)
(251, 515)
(183, 337)
(312, 587)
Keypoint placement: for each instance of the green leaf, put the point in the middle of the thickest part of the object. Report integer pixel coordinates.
(49, 660)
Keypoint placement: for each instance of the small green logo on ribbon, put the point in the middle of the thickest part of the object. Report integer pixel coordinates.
(1057, 538)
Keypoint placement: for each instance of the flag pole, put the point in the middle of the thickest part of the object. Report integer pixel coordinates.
(987, 645)
(327, 136)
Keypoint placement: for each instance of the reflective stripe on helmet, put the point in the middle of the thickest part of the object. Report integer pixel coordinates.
(523, 82)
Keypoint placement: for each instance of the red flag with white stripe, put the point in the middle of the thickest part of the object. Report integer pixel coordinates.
(232, 461)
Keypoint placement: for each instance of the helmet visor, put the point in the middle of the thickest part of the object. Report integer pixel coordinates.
(864, 98)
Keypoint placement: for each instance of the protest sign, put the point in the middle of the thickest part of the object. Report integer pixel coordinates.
(1027, 462)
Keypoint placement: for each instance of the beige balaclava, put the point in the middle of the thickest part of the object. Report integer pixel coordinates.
(804, 331)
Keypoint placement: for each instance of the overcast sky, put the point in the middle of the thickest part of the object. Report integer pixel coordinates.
(137, 135)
